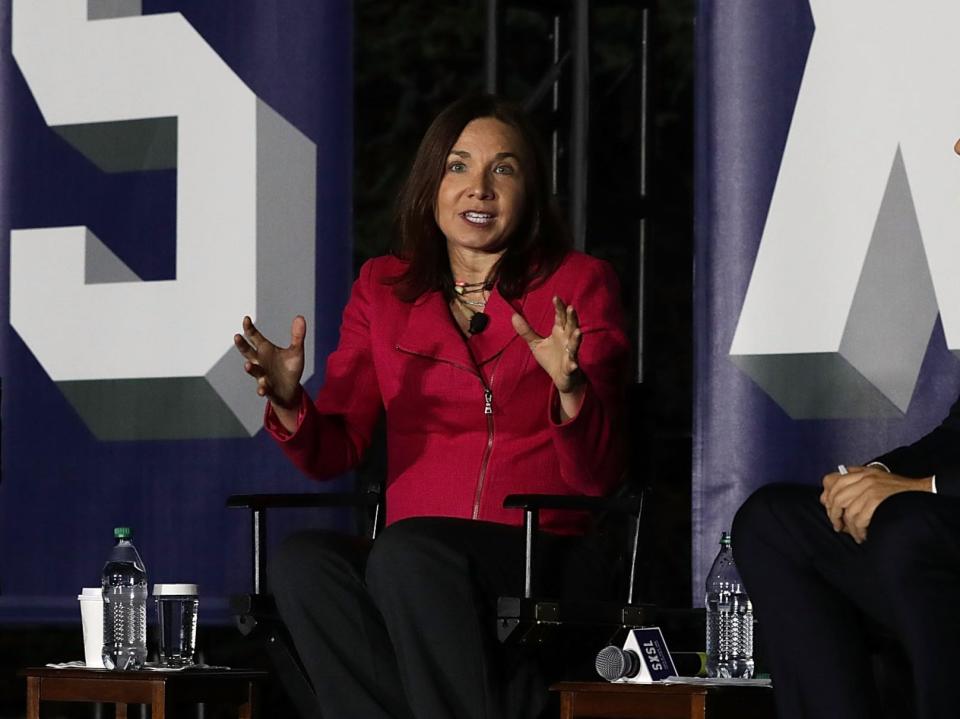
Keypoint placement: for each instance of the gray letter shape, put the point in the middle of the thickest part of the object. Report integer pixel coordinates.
(101, 266)
(126, 145)
(286, 257)
(224, 402)
(886, 334)
(109, 9)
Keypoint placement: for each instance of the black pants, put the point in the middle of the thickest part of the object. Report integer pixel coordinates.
(407, 627)
(817, 593)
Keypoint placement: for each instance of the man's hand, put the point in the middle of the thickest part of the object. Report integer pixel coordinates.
(851, 499)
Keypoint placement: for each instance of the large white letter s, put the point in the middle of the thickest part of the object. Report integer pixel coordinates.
(135, 93)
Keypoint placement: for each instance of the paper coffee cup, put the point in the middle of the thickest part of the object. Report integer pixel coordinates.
(91, 615)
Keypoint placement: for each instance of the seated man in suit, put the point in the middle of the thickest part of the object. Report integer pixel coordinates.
(880, 544)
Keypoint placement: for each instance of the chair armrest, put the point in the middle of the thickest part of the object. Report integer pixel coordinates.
(618, 505)
(312, 499)
(258, 504)
(531, 504)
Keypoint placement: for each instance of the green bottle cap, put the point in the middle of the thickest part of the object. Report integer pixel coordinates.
(121, 533)
(725, 539)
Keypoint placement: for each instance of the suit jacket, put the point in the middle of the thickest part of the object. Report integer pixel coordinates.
(937, 453)
(469, 421)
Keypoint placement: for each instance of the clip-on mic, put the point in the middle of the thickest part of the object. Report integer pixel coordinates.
(478, 322)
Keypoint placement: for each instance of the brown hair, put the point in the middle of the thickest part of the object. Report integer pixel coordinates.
(536, 247)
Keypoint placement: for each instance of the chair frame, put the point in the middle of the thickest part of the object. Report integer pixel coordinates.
(524, 620)
(528, 620)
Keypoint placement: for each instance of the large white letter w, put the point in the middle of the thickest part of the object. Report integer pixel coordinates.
(860, 246)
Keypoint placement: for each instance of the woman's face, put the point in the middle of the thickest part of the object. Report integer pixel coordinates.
(481, 197)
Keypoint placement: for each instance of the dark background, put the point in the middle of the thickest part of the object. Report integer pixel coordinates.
(412, 59)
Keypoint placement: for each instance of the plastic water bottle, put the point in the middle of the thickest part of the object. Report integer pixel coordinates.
(124, 583)
(729, 618)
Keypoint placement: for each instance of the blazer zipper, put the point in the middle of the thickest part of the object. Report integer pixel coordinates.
(488, 449)
(488, 413)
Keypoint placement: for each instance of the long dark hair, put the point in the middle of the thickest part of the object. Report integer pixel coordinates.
(536, 247)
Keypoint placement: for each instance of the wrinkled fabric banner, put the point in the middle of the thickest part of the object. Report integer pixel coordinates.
(166, 168)
(827, 312)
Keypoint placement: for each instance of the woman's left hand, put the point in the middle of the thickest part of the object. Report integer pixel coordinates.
(557, 353)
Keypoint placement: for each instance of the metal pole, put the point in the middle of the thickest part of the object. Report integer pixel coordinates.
(554, 109)
(644, 144)
(644, 97)
(530, 517)
(259, 551)
(491, 47)
(580, 122)
(635, 549)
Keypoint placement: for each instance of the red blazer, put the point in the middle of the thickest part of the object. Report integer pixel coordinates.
(469, 421)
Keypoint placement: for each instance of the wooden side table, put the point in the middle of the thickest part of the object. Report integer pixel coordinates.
(236, 687)
(603, 700)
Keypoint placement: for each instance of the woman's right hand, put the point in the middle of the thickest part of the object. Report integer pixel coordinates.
(276, 369)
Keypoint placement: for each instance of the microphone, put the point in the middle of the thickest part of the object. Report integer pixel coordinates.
(642, 659)
(613, 663)
(478, 322)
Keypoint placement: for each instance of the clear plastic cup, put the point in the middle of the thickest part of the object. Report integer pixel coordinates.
(176, 622)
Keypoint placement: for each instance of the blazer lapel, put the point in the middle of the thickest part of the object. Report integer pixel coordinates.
(430, 332)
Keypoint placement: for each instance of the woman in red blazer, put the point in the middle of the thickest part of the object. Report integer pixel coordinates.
(499, 357)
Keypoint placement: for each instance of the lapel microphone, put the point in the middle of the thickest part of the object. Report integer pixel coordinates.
(478, 322)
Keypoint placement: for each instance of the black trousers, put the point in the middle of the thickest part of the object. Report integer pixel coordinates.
(406, 627)
(817, 593)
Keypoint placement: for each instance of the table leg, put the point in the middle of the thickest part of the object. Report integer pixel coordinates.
(120, 710)
(248, 710)
(33, 698)
(566, 705)
(158, 707)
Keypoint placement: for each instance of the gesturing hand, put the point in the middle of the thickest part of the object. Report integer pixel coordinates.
(557, 353)
(851, 499)
(277, 370)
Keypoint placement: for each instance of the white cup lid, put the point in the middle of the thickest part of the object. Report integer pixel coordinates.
(175, 590)
(90, 593)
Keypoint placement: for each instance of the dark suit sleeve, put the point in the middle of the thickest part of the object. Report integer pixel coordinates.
(937, 453)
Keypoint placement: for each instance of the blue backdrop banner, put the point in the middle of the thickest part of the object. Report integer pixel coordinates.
(167, 167)
(827, 210)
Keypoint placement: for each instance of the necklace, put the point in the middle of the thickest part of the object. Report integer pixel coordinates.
(473, 309)
(467, 288)
(472, 303)
(477, 319)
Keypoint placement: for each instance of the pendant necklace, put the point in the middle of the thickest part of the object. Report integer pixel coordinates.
(477, 318)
